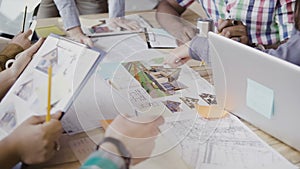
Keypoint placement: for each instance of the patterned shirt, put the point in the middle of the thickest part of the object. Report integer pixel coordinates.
(268, 21)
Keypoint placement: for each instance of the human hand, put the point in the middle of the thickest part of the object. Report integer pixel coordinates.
(22, 39)
(138, 134)
(34, 141)
(121, 22)
(24, 58)
(234, 30)
(178, 56)
(77, 35)
(185, 34)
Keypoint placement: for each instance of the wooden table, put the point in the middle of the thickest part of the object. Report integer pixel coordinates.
(289, 153)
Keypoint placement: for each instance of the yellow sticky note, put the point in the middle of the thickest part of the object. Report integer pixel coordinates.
(46, 31)
(211, 112)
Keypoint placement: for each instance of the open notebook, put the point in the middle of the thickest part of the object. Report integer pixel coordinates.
(72, 64)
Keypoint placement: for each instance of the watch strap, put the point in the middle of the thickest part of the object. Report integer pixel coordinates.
(121, 148)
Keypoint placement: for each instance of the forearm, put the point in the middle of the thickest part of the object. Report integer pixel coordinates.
(69, 13)
(7, 79)
(168, 16)
(8, 155)
(116, 8)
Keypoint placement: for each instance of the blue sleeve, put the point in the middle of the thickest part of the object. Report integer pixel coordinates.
(288, 51)
(103, 160)
(69, 13)
(199, 49)
(116, 8)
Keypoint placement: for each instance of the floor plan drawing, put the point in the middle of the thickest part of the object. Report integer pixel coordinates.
(223, 143)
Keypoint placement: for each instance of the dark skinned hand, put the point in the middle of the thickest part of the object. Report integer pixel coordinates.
(234, 30)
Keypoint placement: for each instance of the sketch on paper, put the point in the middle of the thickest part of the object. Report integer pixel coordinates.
(172, 106)
(8, 120)
(25, 90)
(156, 80)
(209, 98)
(221, 143)
(51, 58)
(189, 101)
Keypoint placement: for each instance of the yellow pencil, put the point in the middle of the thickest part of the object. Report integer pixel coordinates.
(48, 117)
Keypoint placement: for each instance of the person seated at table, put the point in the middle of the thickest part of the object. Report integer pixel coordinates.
(198, 48)
(264, 22)
(69, 10)
(15, 46)
(10, 75)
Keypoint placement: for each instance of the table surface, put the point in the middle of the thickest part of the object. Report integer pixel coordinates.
(289, 153)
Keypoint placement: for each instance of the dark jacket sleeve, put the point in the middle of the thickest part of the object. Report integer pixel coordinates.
(9, 52)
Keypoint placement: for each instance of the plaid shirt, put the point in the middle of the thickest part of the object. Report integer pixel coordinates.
(268, 21)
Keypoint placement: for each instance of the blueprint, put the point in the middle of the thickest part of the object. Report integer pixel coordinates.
(223, 143)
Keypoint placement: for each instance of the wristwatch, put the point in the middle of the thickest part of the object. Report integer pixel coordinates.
(121, 148)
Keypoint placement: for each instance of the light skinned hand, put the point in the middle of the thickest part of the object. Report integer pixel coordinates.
(234, 30)
(22, 40)
(121, 22)
(24, 58)
(34, 140)
(138, 134)
(185, 34)
(77, 35)
(178, 56)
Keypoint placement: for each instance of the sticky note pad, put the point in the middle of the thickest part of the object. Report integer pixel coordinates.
(211, 112)
(260, 98)
(46, 31)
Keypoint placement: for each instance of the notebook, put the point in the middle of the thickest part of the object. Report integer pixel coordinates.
(72, 64)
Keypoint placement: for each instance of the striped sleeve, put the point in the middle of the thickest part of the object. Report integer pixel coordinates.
(285, 18)
(185, 3)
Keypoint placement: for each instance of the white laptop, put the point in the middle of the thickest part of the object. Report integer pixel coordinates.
(260, 88)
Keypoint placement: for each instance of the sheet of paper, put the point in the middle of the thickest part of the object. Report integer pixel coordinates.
(225, 142)
(159, 38)
(84, 144)
(103, 28)
(82, 148)
(121, 48)
(46, 31)
(260, 98)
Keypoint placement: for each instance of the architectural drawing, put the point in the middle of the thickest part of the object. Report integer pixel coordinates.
(223, 143)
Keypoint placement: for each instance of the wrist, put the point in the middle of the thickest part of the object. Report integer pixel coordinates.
(12, 74)
(75, 31)
(10, 152)
(115, 146)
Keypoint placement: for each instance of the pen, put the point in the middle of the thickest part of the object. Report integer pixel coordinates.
(177, 61)
(48, 117)
(24, 19)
